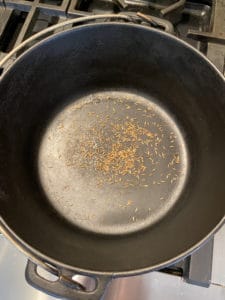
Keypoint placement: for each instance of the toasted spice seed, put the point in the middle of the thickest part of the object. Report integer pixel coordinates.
(177, 159)
(120, 150)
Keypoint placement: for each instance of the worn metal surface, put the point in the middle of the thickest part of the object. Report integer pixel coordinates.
(216, 53)
(210, 37)
(217, 29)
(173, 7)
(161, 286)
(200, 266)
(28, 17)
(215, 37)
(24, 18)
(218, 264)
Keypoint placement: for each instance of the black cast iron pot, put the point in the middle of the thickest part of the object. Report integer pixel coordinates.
(55, 210)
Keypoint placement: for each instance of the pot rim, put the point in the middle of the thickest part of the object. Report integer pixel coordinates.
(43, 259)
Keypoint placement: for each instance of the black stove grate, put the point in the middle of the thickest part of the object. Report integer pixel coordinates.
(21, 19)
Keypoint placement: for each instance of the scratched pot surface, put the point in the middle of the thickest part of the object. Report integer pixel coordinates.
(112, 162)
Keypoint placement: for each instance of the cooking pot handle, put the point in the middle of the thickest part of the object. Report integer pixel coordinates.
(65, 287)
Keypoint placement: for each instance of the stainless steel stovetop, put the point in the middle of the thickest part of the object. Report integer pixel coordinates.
(152, 286)
(200, 23)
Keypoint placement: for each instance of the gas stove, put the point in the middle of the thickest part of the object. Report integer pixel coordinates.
(198, 22)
